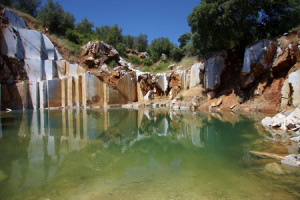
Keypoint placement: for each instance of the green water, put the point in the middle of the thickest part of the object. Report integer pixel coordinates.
(135, 154)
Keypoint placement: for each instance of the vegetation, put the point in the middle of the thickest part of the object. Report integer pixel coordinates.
(158, 47)
(222, 24)
(27, 6)
(134, 60)
(215, 25)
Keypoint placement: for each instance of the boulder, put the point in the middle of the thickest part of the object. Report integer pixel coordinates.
(143, 55)
(284, 121)
(275, 168)
(293, 120)
(170, 67)
(292, 160)
(97, 53)
(257, 59)
(214, 67)
(196, 70)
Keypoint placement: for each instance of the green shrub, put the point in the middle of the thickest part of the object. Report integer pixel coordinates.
(162, 66)
(134, 60)
(146, 69)
(147, 62)
(74, 36)
(121, 48)
(112, 63)
(177, 54)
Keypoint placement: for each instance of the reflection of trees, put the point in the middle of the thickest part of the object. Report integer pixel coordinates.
(111, 135)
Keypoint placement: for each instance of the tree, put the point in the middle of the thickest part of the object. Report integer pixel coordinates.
(85, 26)
(6, 2)
(177, 54)
(222, 24)
(68, 21)
(128, 40)
(114, 35)
(141, 42)
(184, 38)
(160, 46)
(51, 15)
(28, 6)
(102, 31)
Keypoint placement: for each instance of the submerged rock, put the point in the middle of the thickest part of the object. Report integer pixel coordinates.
(275, 168)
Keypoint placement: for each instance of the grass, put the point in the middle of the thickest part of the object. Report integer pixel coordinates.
(162, 66)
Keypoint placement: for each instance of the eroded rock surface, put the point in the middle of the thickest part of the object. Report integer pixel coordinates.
(214, 67)
(257, 59)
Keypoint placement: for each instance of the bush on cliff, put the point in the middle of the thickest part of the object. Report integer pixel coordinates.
(176, 54)
(158, 47)
(222, 24)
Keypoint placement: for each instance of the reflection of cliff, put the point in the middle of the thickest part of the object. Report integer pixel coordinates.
(35, 143)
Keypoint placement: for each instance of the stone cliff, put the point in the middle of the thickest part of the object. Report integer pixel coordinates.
(263, 77)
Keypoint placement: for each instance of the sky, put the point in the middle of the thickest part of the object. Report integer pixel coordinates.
(155, 18)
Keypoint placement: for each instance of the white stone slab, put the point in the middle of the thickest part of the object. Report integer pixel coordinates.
(34, 69)
(195, 74)
(54, 93)
(294, 80)
(93, 90)
(11, 44)
(43, 94)
(33, 43)
(50, 69)
(14, 19)
(162, 81)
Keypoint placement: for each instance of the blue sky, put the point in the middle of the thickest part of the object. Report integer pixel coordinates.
(156, 18)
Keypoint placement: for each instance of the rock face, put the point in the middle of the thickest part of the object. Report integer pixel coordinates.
(290, 91)
(35, 76)
(176, 83)
(161, 83)
(197, 72)
(214, 68)
(257, 59)
(12, 19)
(95, 54)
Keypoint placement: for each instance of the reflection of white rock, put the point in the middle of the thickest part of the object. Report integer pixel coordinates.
(162, 128)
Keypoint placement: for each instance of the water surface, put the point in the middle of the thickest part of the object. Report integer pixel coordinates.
(135, 154)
